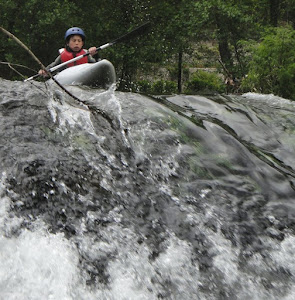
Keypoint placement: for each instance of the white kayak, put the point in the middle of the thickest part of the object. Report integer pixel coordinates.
(100, 74)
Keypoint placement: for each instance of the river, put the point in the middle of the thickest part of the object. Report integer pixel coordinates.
(138, 197)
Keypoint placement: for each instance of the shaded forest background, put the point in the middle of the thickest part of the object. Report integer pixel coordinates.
(233, 45)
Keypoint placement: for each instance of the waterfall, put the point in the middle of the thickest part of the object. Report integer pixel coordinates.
(139, 197)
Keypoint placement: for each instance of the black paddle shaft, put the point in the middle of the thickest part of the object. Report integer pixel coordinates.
(133, 33)
(129, 35)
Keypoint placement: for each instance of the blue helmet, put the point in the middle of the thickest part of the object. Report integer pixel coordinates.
(75, 30)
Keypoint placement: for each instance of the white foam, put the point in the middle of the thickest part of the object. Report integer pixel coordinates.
(134, 275)
(273, 99)
(284, 254)
(34, 264)
(37, 265)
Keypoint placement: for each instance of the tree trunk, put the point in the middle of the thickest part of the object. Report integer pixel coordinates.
(223, 44)
(225, 53)
(274, 9)
(125, 79)
(179, 75)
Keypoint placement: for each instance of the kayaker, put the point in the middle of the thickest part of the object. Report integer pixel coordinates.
(75, 40)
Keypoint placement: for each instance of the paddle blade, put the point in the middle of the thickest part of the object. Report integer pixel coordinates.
(133, 33)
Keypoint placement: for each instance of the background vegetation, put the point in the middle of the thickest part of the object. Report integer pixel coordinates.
(241, 45)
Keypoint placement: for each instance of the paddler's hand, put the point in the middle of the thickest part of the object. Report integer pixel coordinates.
(42, 73)
(92, 51)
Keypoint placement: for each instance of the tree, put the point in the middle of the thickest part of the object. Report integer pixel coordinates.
(40, 25)
(174, 31)
(274, 11)
(288, 12)
(272, 68)
(228, 22)
(177, 27)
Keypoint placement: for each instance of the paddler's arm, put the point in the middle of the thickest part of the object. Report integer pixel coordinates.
(53, 64)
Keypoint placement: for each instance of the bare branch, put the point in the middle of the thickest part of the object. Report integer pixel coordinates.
(22, 45)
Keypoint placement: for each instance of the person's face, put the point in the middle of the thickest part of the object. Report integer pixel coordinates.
(76, 43)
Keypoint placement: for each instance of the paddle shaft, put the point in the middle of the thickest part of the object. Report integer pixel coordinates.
(128, 35)
(77, 58)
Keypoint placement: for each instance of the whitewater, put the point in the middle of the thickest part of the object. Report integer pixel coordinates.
(140, 197)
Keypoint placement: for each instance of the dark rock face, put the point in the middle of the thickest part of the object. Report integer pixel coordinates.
(46, 167)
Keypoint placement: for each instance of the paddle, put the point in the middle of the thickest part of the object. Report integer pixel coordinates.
(131, 34)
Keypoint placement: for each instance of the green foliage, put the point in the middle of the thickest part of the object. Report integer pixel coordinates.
(228, 22)
(40, 25)
(143, 86)
(205, 81)
(272, 68)
(178, 26)
(164, 87)
(159, 87)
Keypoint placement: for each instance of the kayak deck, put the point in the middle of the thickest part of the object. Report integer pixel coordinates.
(100, 74)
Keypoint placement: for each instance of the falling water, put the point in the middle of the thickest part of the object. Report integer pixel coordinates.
(133, 197)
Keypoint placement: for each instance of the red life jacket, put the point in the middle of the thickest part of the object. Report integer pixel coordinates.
(67, 55)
